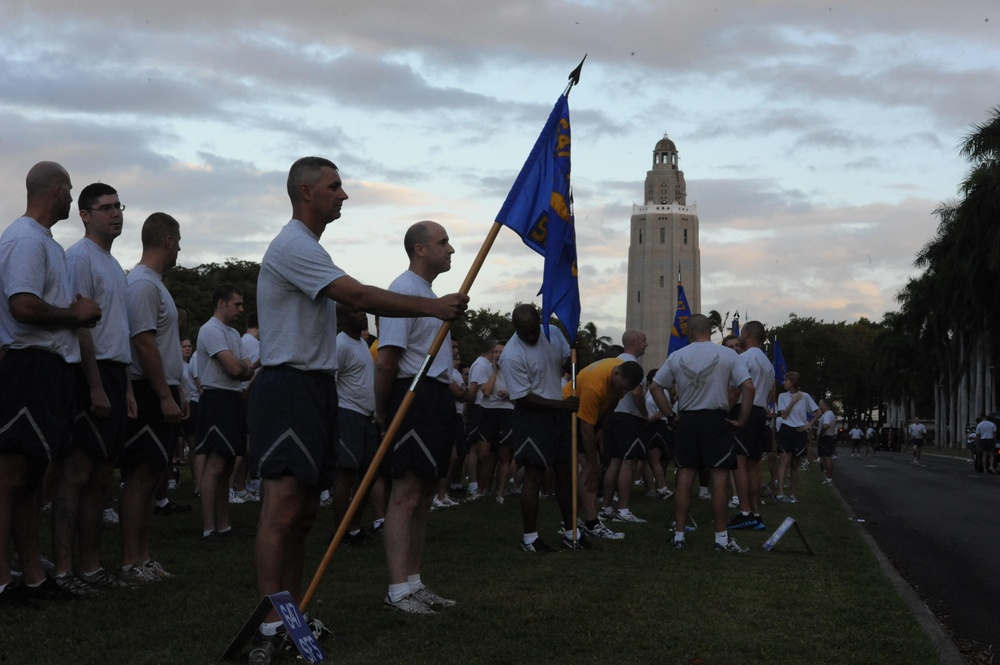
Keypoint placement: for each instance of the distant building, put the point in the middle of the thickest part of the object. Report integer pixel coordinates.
(664, 239)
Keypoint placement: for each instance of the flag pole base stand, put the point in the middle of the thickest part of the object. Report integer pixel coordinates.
(296, 628)
(779, 533)
(672, 523)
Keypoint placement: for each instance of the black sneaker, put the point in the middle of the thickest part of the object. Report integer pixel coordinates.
(742, 521)
(170, 508)
(14, 595)
(49, 590)
(680, 544)
(356, 541)
(538, 546)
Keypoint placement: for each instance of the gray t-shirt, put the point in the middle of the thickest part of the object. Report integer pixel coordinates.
(298, 325)
(703, 373)
(151, 308)
(537, 368)
(799, 415)
(479, 374)
(213, 338)
(96, 274)
(356, 375)
(761, 373)
(627, 404)
(31, 261)
(415, 335)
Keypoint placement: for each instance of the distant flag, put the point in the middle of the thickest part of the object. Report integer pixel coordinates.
(539, 208)
(678, 334)
(779, 364)
(736, 324)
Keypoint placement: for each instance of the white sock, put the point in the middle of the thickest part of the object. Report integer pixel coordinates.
(473, 487)
(162, 502)
(205, 534)
(530, 537)
(414, 582)
(226, 530)
(399, 591)
(678, 535)
(722, 538)
(355, 532)
(377, 523)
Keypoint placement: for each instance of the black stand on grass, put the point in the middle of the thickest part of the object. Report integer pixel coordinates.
(295, 626)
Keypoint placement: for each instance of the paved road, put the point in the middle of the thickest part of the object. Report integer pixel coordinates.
(938, 524)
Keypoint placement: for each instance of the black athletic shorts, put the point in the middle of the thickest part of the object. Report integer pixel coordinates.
(36, 403)
(358, 440)
(792, 442)
(755, 438)
(827, 446)
(623, 437)
(424, 440)
(657, 435)
(541, 437)
(149, 439)
(102, 438)
(293, 425)
(704, 440)
(222, 424)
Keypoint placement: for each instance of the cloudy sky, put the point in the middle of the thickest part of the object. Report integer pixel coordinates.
(816, 139)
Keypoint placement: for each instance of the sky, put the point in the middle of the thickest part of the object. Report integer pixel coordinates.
(817, 140)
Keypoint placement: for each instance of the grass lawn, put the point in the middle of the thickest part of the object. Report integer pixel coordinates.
(633, 601)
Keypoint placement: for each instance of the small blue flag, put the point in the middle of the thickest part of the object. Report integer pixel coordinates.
(779, 364)
(539, 208)
(678, 334)
(736, 324)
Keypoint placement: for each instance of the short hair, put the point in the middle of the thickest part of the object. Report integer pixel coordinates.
(156, 228)
(43, 175)
(754, 329)
(90, 194)
(224, 292)
(525, 313)
(252, 320)
(699, 324)
(729, 338)
(793, 377)
(631, 371)
(488, 344)
(305, 170)
(417, 234)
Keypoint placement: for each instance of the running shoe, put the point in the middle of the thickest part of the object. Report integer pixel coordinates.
(110, 516)
(792, 499)
(537, 546)
(664, 493)
(732, 546)
(408, 604)
(734, 502)
(102, 578)
(170, 508)
(742, 521)
(431, 599)
(581, 543)
(627, 516)
(602, 531)
(235, 498)
(680, 544)
(74, 585)
(136, 574)
(49, 589)
(14, 595)
(153, 568)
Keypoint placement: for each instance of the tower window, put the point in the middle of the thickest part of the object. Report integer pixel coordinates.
(685, 236)
(663, 235)
(638, 296)
(640, 236)
(661, 281)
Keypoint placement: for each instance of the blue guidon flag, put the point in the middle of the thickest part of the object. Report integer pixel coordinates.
(539, 208)
(779, 364)
(678, 334)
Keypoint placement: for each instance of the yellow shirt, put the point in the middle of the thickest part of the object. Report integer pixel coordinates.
(593, 386)
(374, 350)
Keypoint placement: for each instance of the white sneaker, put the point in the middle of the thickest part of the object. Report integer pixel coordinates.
(734, 502)
(409, 604)
(110, 516)
(437, 503)
(233, 497)
(602, 531)
(628, 516)
(431, 599)
(664, 493)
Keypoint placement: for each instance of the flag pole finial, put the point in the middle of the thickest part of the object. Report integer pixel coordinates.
(574, 76)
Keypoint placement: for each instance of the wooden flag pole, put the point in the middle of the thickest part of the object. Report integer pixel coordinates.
(396, 423)
(574, 470)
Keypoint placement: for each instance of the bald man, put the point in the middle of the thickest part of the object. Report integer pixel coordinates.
(39, 317)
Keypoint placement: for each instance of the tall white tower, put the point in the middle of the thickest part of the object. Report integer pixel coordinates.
(664, 240)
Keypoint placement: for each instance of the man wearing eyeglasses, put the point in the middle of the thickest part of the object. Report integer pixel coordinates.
(103, 400)
(39, 317)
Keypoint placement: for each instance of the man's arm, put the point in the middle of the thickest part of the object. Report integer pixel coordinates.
(639, 399)
(660, 399)
(533, 401)
(386, 370)
(380, 302)
(152, 367)
(100, 405)
(238, 370)
(746, 394)
(29, 308)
